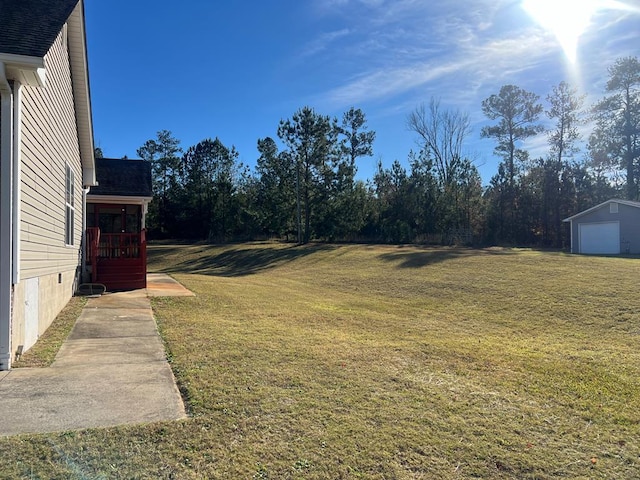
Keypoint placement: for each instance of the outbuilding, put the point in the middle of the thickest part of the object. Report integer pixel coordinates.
(610, 228)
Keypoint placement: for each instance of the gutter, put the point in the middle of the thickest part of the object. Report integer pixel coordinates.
(6, 211)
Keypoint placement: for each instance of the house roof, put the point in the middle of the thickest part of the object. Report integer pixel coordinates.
(122, 178)
(613, 200)
(29, 27)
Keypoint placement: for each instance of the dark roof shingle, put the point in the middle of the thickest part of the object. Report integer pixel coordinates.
(122, 177)
(29, 27)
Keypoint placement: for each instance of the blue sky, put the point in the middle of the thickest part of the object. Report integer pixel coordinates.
(234, 69)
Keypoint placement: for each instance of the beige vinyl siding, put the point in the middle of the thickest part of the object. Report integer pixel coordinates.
(49, 143)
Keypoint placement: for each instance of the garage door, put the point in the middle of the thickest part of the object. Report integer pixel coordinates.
(600, 238)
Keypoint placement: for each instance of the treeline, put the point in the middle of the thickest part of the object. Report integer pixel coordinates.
(308, 190)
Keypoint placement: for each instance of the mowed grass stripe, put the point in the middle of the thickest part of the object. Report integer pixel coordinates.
(496, 325)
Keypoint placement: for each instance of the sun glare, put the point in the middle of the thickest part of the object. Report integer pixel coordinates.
(566, 19)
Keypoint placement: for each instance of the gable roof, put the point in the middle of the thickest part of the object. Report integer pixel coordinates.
(613, 200)
(122, 178)
(29, 27)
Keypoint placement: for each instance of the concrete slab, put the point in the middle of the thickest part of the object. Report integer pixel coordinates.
(109, 351)
(112, 370)
(129, 300)
(81, 397)
(162, 285)
(103, 323)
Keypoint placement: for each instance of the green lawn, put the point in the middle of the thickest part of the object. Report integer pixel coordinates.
(325, 361)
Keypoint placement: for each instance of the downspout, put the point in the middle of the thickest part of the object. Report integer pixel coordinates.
(83, 242)
(6, 249)
(17, 179)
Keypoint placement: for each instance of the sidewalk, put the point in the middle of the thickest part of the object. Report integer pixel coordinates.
(112, 370)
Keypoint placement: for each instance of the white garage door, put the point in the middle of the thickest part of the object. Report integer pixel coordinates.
(600, 238)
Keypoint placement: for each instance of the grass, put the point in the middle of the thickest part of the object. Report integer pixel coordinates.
(43, 353)
(380, 362)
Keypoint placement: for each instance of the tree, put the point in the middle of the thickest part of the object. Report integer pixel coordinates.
(358, 140)
(617, 116)
(557, 183)
(311, 139)
(604, 166)
(276, 188)
(163, 153)
(396, 210)
(517, 111)
(211, 172)
(566, 110)
(422, 194)
(345, 216)
(442, 133)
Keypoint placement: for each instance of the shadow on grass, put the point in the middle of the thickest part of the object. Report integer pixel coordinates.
(234, 261)
(432, 255)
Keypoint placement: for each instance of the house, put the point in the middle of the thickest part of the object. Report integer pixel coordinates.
(46, 164)
(610, 228)
(116, 212)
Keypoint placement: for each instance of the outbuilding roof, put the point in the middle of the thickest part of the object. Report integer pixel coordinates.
(29, 27)
(122, 178)
(630, 203)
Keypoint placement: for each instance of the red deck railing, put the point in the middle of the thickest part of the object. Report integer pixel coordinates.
(113, 248)
(119, 245)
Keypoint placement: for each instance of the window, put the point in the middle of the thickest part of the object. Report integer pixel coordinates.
(69, 207)
(613, 207)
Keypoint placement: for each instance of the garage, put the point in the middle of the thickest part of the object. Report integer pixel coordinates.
(609, 228)
(600, 238)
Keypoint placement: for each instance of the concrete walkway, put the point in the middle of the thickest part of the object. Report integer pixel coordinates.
(112, 370)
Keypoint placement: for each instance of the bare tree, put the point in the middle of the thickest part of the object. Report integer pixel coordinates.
(442, 134)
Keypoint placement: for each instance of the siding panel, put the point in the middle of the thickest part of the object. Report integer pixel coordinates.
(49, 143)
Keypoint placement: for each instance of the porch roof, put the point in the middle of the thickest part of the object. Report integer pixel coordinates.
(122, 178)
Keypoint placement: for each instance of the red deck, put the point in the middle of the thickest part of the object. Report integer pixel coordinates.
(117, 260)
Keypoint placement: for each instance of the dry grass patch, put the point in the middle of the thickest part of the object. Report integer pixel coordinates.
(383, 362)
(44, 352)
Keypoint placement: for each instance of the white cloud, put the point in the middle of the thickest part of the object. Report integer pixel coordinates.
(385, 83)
(404, 45)
(323, 42)
(472, 65)
(400, 53)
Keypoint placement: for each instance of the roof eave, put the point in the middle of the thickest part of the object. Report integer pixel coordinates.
(118, 199)
(612, 200)
(25, 69)
(82, 95)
